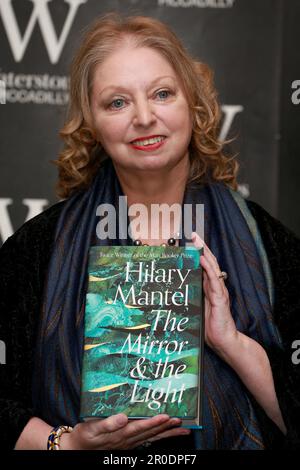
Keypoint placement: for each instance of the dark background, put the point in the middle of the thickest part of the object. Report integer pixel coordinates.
(252, 47)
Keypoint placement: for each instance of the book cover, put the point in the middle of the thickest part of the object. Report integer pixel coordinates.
(143, 343)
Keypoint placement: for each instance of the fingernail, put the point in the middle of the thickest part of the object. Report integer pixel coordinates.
(175, 421)
(195, 234)
(185, 431)
(164, 417)
(200, 240)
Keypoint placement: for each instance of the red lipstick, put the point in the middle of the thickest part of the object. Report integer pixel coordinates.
(149, 147)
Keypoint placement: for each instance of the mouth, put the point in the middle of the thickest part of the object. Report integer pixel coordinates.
(151, 142)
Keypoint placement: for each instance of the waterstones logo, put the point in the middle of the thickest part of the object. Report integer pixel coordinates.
(177, 221)
(36, 89)
(197, 3)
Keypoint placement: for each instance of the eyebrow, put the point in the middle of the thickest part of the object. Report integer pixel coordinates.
(124, 89)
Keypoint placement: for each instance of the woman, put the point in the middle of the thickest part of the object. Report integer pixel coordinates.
(143, 122)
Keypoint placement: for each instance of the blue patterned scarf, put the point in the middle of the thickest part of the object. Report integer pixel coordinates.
(230, 232)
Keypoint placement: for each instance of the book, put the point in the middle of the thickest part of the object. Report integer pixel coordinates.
(143, 340)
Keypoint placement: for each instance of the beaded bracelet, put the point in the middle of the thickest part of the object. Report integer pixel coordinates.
(54, 437)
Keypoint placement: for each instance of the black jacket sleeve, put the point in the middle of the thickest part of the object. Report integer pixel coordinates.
(283, 250)
(23, 263)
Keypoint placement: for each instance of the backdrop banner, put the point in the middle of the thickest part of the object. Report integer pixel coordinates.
(244, 42)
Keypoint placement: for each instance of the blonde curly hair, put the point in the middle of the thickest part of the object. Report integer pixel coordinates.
(81, 156)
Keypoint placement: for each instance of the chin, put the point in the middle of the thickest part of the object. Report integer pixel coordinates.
(141, 162)
(152, 163)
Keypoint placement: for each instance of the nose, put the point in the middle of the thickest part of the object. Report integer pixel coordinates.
(143, 113)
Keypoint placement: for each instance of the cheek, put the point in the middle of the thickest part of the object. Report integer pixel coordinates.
(111, 130)
(180, 119)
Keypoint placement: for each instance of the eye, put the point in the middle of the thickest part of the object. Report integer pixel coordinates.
(117, 103)
(163, 94)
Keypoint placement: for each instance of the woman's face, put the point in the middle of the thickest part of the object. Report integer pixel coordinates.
(140, 112)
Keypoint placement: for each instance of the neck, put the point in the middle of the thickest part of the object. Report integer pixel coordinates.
(156, 187)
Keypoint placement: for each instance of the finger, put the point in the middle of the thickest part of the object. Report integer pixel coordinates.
(206, 251)
(155, 430)
(214, 283)
(171, 433)
(163, 435)
(197, 240)
(212, 259)
(199, 243)
(108, 425)
(137, 427)
(206, 265)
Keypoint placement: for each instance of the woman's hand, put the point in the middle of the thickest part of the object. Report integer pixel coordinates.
(247, 357)
(220, 328)
(118, 432)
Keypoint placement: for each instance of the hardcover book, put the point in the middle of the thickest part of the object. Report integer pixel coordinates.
(143, 343)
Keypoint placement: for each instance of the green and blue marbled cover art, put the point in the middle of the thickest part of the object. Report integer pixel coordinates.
(143, 332)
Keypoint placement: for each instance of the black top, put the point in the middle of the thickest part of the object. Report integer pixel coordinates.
(24, 259)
